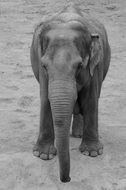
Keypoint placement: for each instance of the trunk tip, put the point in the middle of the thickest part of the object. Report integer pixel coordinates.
(65, 179)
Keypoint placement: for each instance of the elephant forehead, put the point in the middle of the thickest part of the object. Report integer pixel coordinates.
(62, 33)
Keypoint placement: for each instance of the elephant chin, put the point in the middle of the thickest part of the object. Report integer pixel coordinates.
(62, 96)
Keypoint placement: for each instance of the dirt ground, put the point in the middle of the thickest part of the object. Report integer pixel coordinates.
(19, 103)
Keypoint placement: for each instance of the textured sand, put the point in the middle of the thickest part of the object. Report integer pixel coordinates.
(19, 103)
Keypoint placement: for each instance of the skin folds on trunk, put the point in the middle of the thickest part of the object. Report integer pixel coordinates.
(62, 96)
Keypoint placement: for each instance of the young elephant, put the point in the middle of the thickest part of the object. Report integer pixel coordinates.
(70, 56)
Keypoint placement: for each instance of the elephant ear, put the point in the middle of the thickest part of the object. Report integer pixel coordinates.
(95, 52)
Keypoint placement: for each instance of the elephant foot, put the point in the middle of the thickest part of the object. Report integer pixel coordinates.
(91, 148)
(46, 151)
(77, 127)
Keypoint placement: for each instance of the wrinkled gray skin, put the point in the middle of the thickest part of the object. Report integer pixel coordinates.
(70, 56)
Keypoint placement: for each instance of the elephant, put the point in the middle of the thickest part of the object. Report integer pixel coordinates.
(70, 57)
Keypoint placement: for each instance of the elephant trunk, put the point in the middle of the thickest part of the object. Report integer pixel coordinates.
(62, 96)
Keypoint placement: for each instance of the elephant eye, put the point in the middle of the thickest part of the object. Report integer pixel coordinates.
(45, 66)
(79, 67)
(80, 64)
(45, 62)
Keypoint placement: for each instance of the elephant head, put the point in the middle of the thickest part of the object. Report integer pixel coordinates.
(67, 52)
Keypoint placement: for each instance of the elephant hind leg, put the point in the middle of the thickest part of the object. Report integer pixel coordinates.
(77, 126)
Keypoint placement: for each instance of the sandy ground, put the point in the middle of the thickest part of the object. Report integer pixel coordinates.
(19, 103)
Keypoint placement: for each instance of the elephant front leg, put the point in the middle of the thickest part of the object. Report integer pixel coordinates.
(90, 144)
(44, 147)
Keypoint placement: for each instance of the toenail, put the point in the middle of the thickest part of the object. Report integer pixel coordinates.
(100, 151)
(93, 154)
(36, 153)
(85, 153)
(51, 156)
(43, 156)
